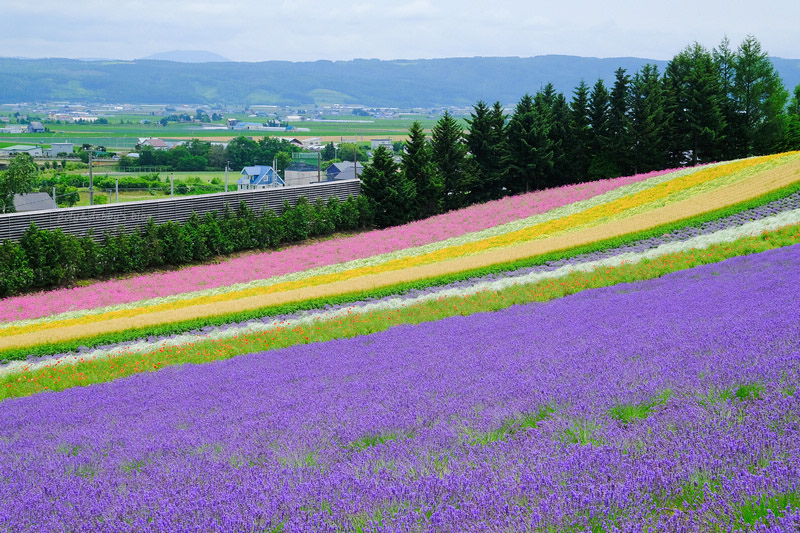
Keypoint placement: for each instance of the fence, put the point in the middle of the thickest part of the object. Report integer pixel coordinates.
(129, 216)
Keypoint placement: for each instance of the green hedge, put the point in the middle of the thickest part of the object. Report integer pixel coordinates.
(45, 259)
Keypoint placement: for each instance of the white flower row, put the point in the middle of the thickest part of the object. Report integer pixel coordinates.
(376, 260)
(698, 242)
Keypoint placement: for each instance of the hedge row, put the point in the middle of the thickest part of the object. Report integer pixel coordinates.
(44, 258)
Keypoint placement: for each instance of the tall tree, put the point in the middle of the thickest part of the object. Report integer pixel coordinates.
(418, 168)
(760, 100)
(724, 61)
(391, 195)
(449, 156)
(486, 141)
(648, 121)
(19, 178)
(619, 129)
(600, 165)
(698, 121)
(793, 121)
(581, 132)
(530, 154)
(555, 114)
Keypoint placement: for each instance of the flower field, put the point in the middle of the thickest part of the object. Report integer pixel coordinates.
(615, 356)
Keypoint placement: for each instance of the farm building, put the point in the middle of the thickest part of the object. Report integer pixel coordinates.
(33, 151)
(343, 171)
(35, 201)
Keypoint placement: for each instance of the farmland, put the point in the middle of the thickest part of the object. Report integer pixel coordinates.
(621, 354)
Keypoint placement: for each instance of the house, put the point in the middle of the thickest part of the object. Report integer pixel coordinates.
(33, 151)
(35, 201)
(35, 127)
(59, 148)
(387, 143)
(153, 142)
(259, 177)
(343, 171)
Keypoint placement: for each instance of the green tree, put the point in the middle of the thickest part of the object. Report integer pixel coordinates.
(698, 121)
(390, 194)
(450, 158)
(418, 167)
(580, 129)
(328, 152)
(487, 144)
(530, 155)
(241, 153)
(19, 178)
(601, 165)
(724, 61)
(556, 114)
(793, 121)
(760, 100)
(648, 124)
(619, 126)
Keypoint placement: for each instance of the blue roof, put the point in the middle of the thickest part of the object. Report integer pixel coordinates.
(259, 175)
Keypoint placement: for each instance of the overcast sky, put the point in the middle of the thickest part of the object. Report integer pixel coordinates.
(261, 30)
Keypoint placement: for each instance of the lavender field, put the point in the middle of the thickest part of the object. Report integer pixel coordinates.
(670, 404)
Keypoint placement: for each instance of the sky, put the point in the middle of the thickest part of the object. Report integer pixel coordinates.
(264, 30)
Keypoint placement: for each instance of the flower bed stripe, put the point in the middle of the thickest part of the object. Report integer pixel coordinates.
(374, 277)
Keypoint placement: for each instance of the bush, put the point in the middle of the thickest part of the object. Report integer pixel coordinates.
(17, 274)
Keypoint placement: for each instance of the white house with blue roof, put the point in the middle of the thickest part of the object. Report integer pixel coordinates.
(259, 177)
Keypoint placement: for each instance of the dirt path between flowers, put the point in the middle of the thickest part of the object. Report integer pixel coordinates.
(762, 183)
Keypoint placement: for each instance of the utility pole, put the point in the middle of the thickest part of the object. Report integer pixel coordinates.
(91, 179)
(116, 188)
(54, 194)
(319, 167)
(226, 175)
(171, 186)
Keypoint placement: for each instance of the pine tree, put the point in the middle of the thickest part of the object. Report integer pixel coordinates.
(793, 122)
(619, 129)
(760, 100)
(418, 168)
(580, 130)
(390, 194)
(486, 141)
(449, 156)
(648, 121)
(530, 155)
(698, 121)
(555, 113)
(724, 59)
(600, 165)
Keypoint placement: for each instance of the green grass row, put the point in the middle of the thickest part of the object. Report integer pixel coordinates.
(402, 288)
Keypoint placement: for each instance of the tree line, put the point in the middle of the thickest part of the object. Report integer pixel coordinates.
(707, 105)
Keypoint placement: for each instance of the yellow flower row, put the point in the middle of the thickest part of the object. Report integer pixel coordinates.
(549, 229)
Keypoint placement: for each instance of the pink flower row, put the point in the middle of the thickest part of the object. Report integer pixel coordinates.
(303, 257)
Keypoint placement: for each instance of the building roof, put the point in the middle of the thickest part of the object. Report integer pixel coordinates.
(259, 175)
(35, 201)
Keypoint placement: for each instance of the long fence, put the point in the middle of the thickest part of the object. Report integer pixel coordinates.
(127, 217)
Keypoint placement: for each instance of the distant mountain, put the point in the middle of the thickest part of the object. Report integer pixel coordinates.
(371, 82)
(188, 56)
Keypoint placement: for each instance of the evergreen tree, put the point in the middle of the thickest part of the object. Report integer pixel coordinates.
(555, 114)
(600, 165)
(580, 129)
(530, 155)
(724, 59)
(449, 156)
(418, 168)
(619, 129)
(486, 141)
(392, 197)
(760, 100)
(698, 121)
(793, 122)
(648, 121)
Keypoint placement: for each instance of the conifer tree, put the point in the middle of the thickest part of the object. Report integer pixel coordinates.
(486, 141)
(449, 156)
(530, 155)
(600, 165)
(760, 100)
(555, 113)
(581, 133)
(648, 121)
(793, 122)
(418, 168)
(392, 196)
(619, 130)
